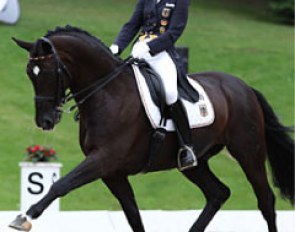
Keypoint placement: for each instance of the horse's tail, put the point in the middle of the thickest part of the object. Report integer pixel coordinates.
(280, 149)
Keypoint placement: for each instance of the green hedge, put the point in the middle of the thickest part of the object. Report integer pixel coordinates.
(284, 9)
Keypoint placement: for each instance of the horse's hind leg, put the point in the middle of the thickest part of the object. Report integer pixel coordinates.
(122, 190)
(255, 171)
(216, 193)
(251, 157)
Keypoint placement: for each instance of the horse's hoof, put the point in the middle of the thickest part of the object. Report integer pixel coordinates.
(21, 223)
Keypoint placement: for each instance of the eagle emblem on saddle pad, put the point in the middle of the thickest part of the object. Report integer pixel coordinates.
(200, 114)
(203, 110)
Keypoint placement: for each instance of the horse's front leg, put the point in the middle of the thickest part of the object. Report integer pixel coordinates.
(122, 190)
(87, 171)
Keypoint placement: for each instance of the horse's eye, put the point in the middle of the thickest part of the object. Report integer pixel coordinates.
(36, 70)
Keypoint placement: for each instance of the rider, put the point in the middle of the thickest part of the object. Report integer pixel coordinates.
(161, 23)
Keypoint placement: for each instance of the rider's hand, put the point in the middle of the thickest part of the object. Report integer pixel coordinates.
(114, 49)
(140, 50)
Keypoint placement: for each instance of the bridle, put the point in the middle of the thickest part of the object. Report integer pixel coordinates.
(61, 97)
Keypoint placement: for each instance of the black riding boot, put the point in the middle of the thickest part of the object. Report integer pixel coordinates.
(186, 157)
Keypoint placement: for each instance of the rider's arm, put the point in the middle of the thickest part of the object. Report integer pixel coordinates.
(131, 28)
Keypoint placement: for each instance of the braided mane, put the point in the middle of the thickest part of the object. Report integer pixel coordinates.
(78, 33)
(69, 29)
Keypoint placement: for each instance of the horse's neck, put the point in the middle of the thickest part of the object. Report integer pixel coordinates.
(85, 63)
(113, 106)
(88, 65)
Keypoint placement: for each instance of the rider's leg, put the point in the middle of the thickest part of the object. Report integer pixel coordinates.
(165, 67)
(186, 156)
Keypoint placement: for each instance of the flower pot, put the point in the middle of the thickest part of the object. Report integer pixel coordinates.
(36, 179)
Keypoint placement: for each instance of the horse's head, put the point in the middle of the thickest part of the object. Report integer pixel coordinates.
(49, 78)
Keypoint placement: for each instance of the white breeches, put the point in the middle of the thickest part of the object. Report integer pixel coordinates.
(163, 64)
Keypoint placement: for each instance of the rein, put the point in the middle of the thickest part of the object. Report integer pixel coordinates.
(96, 86)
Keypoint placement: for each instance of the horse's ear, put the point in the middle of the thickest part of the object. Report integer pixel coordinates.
(46, 47)
(25, 45)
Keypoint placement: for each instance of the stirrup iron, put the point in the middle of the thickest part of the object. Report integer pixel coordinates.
(188, 149)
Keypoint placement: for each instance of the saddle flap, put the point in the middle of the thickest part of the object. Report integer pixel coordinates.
(154, 83)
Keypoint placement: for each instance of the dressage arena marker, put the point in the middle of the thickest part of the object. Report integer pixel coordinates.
(154, 220)
(36, 180)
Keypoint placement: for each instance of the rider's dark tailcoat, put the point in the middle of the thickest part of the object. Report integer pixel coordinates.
(167, 19)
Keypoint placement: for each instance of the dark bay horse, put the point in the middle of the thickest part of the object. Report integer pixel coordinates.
(115, 132)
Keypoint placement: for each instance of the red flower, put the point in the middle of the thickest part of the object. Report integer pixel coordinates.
(36, 148)
(52, 151)
(37, 153)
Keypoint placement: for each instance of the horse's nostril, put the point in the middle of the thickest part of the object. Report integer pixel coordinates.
(47, 123)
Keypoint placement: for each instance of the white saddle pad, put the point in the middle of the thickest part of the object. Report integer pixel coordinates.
(200, 114)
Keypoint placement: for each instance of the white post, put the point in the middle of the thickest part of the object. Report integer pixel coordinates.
(36, 179)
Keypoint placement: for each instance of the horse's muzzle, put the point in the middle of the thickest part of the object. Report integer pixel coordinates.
(48, 121)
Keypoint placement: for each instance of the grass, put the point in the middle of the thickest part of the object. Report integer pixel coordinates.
(236, 40)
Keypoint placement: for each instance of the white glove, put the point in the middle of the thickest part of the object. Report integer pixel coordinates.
(114, 49)
(140, 50)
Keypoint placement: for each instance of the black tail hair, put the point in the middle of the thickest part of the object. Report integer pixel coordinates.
(280, 149)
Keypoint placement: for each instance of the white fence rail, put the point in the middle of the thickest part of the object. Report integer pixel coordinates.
(154, 221)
